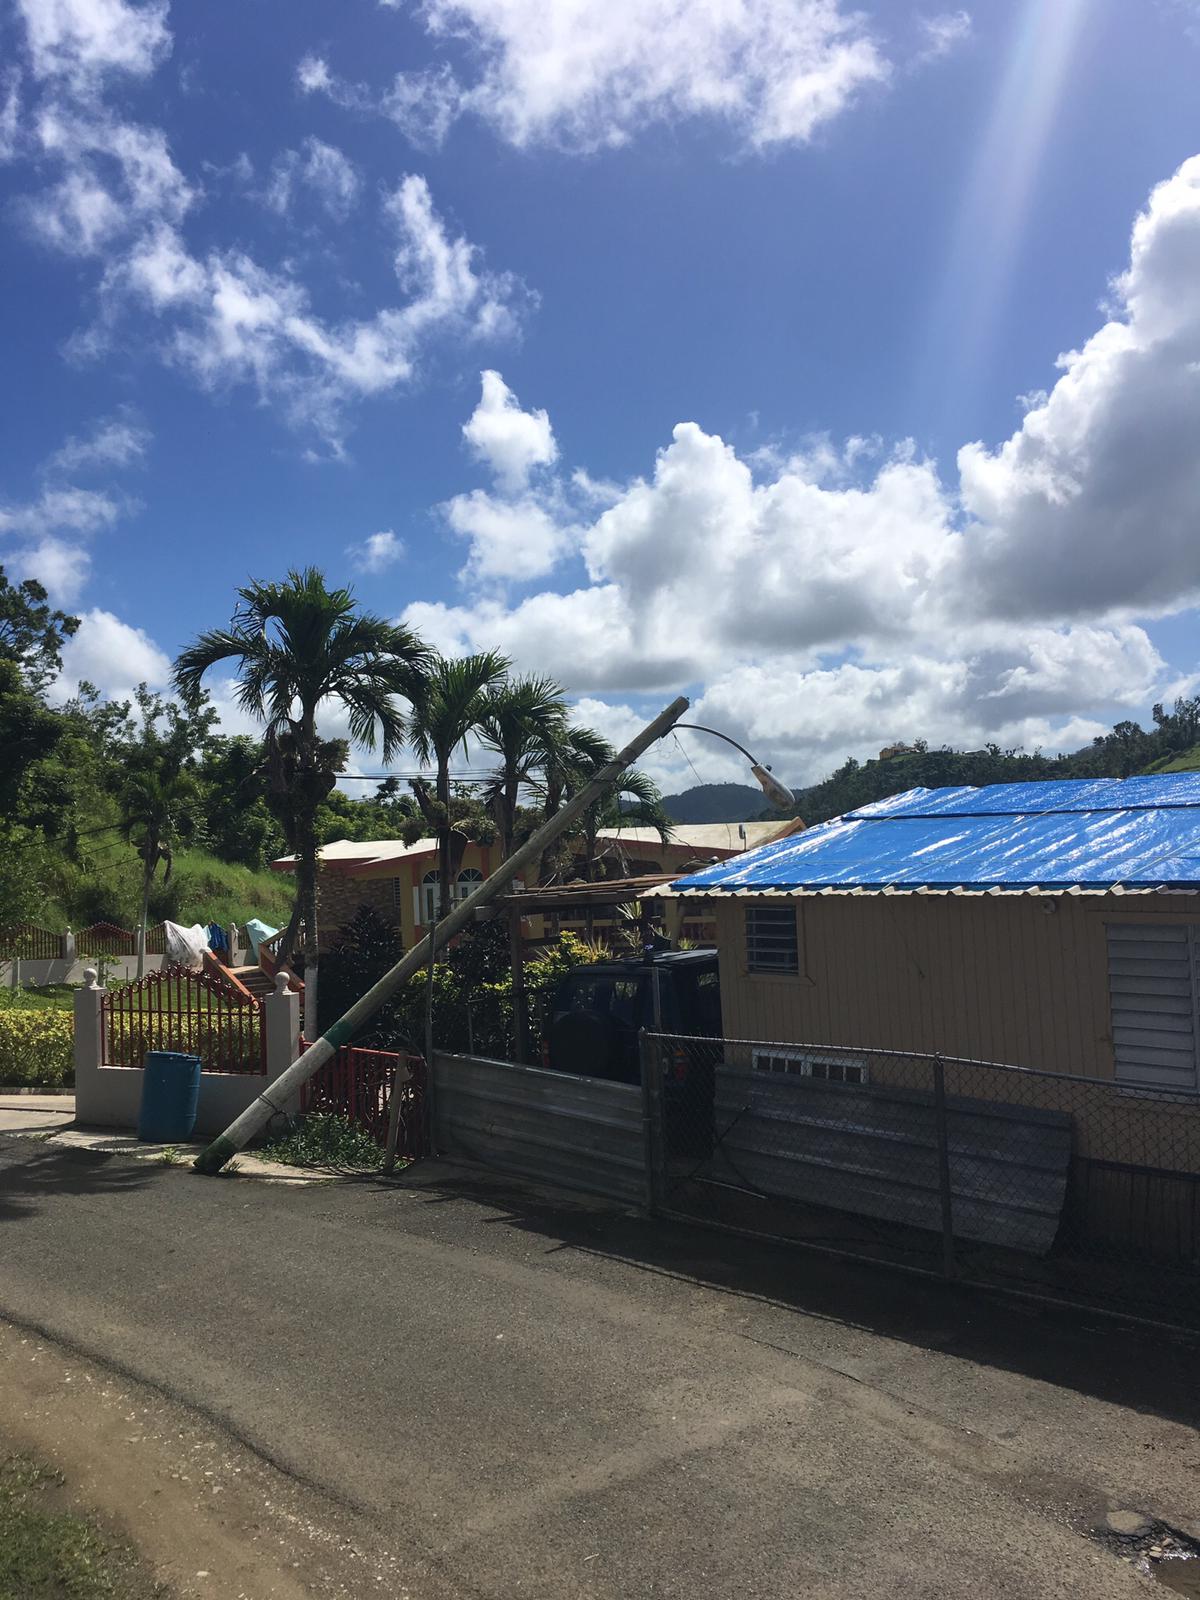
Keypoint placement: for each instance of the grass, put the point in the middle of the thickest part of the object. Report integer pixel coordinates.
(209, 890)
(202, 889)
(1188, 761)
(51, 997)
(323, 1139)
(48, 1553)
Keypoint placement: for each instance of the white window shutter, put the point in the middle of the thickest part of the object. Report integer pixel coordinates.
(1152, 971)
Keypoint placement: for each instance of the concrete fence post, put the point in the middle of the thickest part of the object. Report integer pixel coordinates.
(89, 1049)
(68, 947)
(281, 1026)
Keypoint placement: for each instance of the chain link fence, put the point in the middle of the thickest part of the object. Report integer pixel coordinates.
(1062, 1187)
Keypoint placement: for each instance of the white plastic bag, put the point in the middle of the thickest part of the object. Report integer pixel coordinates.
(186, 947)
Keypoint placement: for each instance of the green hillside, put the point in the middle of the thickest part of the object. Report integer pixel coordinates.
(1186, 761)
(716, 802)
(202, 889)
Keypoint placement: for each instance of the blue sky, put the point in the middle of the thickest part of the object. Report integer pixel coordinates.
(748, 278)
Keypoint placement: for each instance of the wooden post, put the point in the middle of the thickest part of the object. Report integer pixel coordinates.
(516, 951)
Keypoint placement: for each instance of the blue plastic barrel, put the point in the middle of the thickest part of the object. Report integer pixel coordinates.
(170, 1091)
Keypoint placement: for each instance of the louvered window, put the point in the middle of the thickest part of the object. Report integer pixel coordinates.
(1152, 981)
(771, 942)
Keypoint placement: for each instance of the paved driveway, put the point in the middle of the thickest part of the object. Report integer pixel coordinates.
(528, 1395)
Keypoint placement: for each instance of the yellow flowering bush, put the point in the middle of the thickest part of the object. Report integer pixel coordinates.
(36, 1048)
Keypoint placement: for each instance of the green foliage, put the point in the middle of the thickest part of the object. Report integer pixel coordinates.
(1127, 750)
(25, 873)
(32, 634)
(324, 1139)
(472, 988)
(238, 823)
(36, 1047)
(385, 816)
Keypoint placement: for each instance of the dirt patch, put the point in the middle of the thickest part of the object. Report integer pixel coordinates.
(207, 1517)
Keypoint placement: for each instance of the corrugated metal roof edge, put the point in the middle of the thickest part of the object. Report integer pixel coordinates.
(757, 892)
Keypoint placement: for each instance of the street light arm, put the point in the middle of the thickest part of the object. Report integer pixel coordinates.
(698, 727)
(777, 793)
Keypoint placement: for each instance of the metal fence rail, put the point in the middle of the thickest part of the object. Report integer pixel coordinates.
(1069, 1188)
(23, 941)
(197, 1013)
(357, 1084)
(581, 1133)
(105, 939)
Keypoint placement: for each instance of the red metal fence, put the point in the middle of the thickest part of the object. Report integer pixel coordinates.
(357, 1085)
(198, 1013)
(24, 942)
(105, 939)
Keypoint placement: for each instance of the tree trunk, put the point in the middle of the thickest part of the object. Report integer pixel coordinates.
(445, 863)
(511, 788)
(306, 905)
(148, 855)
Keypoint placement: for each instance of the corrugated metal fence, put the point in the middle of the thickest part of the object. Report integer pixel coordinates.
(581, 1133)
(1061, 1188)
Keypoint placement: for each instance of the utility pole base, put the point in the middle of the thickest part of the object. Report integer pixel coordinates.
(211, 1160)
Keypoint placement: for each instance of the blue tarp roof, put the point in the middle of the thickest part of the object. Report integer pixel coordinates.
(1136, 833)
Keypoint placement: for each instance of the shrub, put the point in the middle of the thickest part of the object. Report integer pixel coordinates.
(472, 988)
(36, 1048)
(324, 1139)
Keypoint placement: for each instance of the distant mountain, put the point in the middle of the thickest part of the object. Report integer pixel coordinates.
(716, 802)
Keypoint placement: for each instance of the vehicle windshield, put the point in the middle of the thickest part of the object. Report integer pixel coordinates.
(605, 994)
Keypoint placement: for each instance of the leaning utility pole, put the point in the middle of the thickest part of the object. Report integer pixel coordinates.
(255, 1117)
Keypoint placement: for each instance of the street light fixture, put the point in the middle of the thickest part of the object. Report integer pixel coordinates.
(780, 796)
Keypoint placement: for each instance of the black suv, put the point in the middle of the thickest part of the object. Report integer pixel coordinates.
(597, 1011)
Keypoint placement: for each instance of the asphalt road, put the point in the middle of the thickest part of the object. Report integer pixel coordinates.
(527, 1395)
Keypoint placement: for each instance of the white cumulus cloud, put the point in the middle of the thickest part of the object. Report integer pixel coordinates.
(112, 655)
(594, 73)
(377, 552)
(85, 40)
(837, 599)
(510, 441)
(61, 567)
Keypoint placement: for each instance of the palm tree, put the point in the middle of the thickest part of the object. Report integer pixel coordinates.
(571, 760)
(566, 763)
(157, 814)
(634, 801)
(297, 645)
(451, 705)
(522, 718)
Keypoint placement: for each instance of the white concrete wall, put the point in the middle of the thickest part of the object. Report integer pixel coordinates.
(38, 973)
(111, 1097)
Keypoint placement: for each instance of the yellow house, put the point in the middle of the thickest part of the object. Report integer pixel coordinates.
(401, 882)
